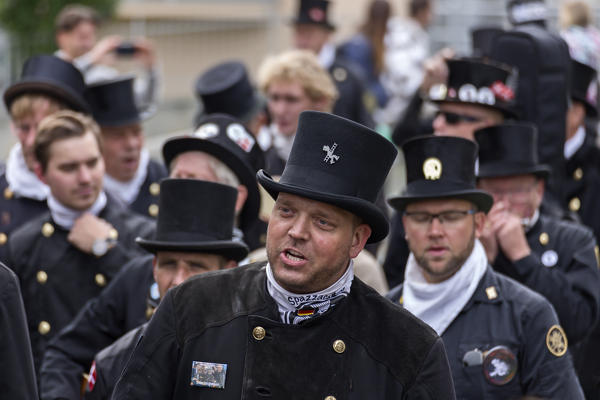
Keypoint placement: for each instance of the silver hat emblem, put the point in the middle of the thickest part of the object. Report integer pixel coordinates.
(330, 157)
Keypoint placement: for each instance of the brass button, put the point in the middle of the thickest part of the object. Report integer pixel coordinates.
(544, 238)
(578, 174)
(153, 210)
(154, 189)
(47, 229)
(3, 238)
(8, 194)
(113, 234)
(574, 204)
(340, 74)
(330, 398)
(339, 346)
(100, 280)
(42, 277)
(44, 328)
(259, 333)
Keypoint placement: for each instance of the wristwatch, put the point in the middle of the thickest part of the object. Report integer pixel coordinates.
(101, 246)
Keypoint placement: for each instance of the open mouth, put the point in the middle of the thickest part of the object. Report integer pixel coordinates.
(293, 255)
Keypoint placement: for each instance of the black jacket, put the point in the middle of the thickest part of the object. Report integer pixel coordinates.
(146, 202)
(514, 316)
(120, 307)
(350, 103)
(17, 375)
(216, 318)
(57, 278)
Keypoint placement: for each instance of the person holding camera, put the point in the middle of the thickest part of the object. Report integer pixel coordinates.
(76, 37)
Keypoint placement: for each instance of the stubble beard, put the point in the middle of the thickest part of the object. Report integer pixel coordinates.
(452, 265)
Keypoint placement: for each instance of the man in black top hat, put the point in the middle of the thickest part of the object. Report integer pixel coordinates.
(131, 176)
(47, 84)
(68, 254)
(552, 256)
(502, 339)
(300, 326)
(312, 31)
(194, 235)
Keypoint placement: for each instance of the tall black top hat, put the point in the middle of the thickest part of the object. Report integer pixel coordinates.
(113, 102)
(226, 88)
(584, 87)
(227, 140)
(509, 149)
(480, 82)
(313, 12)
(482, 39)
(440, 167)
(53, 77)
(526, 11)
(337, 161)
(196, 216)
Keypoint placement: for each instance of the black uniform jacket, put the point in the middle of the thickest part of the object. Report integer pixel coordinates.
(57, 278)
(146, 202)
(14, 212)
(120, 307)
(17, 375)
(364, 348)
(352, 96)
(514, 316)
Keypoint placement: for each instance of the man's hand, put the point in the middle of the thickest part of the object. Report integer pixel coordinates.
(489, 241)
(145, 53)
(436, 69)
(509, 232)
(86, 230)
(104, 51)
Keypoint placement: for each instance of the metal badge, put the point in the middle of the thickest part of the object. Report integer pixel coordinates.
(499, 365)
(240, 136)
(211, 375)
(549, 258)
(556, 341)
(432, 168)
(206, 131)
(330, 157)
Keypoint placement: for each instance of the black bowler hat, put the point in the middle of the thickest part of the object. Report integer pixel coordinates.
(113, 102)
(482, 39)
(51, 76)
(313, 12)
(480, 82)
(226, 139)
(526, 11)
(226, 88)
(584, 87)
(440, 167)
(196, 216)
(340, 162)
(509, 149)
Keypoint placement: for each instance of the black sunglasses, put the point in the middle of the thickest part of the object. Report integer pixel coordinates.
(453, 118)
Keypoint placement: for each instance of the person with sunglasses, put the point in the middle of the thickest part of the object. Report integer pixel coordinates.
(503, 340)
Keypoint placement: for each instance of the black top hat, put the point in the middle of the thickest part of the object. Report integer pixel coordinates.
(482, 39)
(509, 149)
(337, 161)
(526, 11)
(584, 87)
(51, 76)
(313, 12)
(113, 102)
(440, 167)
(196, 216)
(226, 88)
(226, 139)
(480, 82)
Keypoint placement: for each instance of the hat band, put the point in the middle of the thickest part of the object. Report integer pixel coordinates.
(178, 237)
(428, 187)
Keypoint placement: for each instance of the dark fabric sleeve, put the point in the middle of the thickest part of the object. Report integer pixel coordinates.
(397, 253)
(434, 380)
(17, 374)
(151, 370)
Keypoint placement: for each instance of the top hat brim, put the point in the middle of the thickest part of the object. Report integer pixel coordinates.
(500, 169)
(243, 171)
(367, 211)
(590, 110)
(507, 111)
(481, 199)
(47, 87)
(114, 122)
(305, 21)
(230, 249)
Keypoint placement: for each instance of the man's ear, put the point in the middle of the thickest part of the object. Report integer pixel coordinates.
(361, 234)
(39, 172)
(480, 219)
(154, 268)
(241, 198)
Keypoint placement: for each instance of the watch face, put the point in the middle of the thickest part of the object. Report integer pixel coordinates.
(100, 247)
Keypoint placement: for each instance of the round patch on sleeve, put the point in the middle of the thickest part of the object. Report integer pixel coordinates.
(556, 341)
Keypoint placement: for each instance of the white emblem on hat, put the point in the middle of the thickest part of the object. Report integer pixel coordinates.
(432, 169)
(467, 93)
(592, 92)
(486, 96)
(438, 92)
(206, 131)
(330, 157)
(549, 258)
(241, 137)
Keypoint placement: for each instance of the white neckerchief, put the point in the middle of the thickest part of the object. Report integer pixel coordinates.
(574, 143)
(128, 191)
(65, 216)
(282, 143)
(289, 303)
(327, 55)
(528, 223)
(21, 180)
(437, 304)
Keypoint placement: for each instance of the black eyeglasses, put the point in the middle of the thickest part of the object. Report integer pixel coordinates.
(446, 218)
(453, 118)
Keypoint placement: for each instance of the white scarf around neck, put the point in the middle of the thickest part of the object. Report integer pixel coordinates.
(290, 303)
(437, 304)
(574, 143)
(65, 217)
(127, 192)
(21, 180)
(282, 143)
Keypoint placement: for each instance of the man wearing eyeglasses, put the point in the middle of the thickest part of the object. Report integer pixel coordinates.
(554, 257)
(503, 340)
